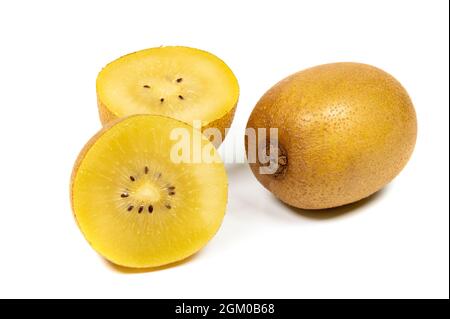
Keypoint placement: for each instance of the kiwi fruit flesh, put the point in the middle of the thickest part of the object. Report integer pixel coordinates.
(183, 83)
(135, 205)
(345, 130)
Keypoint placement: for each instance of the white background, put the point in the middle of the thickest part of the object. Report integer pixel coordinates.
(393, 245)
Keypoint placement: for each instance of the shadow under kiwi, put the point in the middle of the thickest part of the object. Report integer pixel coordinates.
(235, 169)
(336, 212)
(128, 270)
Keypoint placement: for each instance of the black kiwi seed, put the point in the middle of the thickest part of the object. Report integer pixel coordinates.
(150, 209)
(130, 208)
(146, 86)
(179, 80)
(161, 99)
(181, 97)
(124, 195)
(171, 193)
(132, 178)
(146, 170)
(168, 206)
(171, 188)
(140, 209)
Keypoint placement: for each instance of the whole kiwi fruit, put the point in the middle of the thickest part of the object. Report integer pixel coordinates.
(345, 130)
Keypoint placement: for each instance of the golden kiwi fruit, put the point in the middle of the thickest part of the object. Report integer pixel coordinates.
(135, 205)
(183, 83)
(345, 130)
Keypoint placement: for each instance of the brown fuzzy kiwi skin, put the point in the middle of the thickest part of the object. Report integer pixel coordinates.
(348, 129)
(222, 123)
(105, 114)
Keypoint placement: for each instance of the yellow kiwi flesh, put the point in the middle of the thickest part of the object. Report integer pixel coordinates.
(179, 82)
(345, 130)
(135, 205)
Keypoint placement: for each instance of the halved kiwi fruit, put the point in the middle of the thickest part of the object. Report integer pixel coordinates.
(179, 82)
(135, 205)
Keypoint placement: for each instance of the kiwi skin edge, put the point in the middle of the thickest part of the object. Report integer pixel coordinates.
(83, 153)
(80, 158)
(222, 124)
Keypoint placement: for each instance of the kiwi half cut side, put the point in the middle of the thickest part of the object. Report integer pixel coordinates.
(183, 83)
(135, 205)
